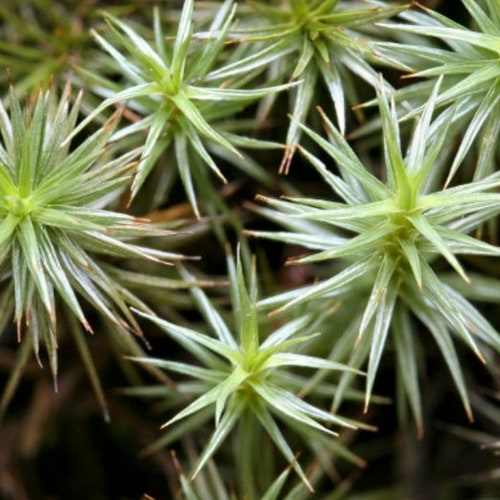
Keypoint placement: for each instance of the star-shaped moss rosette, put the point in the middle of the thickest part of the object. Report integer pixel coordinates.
(53, 222)
(471, 74)
(386, 236)
(318, 40)
(246, 380)
(187, 93)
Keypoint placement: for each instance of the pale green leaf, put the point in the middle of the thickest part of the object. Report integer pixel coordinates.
(431, 234)
(379, 291)
(349, 275)
(208, 310)
(406, 353)
(274, 432)
(445, 344)
(383, 321)
(225, 426)
(214, 345)
(228, 387)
